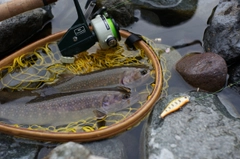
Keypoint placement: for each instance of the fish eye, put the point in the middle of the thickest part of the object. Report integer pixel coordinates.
(143, 72)
(126, 96)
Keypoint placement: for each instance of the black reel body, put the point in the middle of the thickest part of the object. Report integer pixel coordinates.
(80, 38)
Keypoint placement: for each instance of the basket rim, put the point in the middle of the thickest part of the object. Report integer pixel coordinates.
(111, 130)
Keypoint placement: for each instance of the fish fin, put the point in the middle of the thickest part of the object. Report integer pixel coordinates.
(64, 77)
(100, 114)
(125, 89)
(46, 91)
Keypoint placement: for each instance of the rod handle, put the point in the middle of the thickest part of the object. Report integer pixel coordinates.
(15, 7)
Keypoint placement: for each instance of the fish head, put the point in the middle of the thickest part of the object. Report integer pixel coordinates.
(136, 75)
(116, 101)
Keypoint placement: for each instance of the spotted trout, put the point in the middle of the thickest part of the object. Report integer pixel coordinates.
(118, 76)
(66, 108)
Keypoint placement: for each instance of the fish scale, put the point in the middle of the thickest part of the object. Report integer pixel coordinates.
(119, 76)
(64, 109)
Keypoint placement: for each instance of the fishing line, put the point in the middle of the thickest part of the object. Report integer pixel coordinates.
(178, 102)
(167, 75)
(214, 93)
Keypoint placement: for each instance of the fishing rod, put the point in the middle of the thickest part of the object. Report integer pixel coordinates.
(79, 36)
(15, 7)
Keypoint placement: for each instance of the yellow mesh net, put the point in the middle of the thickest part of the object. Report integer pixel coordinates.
(42, 67)
(165, 71)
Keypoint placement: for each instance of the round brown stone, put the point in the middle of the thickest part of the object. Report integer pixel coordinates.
(207, 71)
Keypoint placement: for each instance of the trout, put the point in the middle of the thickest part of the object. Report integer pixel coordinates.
(130, 77)
(66, 108)
(118, 76)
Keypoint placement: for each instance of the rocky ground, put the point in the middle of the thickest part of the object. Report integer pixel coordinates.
(203, 128)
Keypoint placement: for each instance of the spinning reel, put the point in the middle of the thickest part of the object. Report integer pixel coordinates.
(80, 37)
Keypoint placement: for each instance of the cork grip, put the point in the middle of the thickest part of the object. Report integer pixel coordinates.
(15, 7)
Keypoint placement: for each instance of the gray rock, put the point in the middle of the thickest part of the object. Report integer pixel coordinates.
(222, 35)
(150, 17)
(234, 72)
(230, 99)
(71, 150)
(120, 10)
(157, 3)
(10, 149)
(203, 128)
(110, 148)
(166, 4)
(170, 13)
(207, 71)
(16, 30)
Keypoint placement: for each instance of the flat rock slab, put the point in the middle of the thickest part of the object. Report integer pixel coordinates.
(203, 128)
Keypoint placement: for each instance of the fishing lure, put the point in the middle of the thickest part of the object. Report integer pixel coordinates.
(174, 105)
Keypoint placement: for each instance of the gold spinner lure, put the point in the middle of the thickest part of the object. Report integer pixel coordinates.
(174, 105)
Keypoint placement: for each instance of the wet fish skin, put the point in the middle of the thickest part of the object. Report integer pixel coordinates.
(119, 76)
(64, 109)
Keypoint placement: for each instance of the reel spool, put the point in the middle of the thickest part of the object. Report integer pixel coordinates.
(106, 29)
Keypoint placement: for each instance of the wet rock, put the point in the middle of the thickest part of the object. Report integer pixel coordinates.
(222, 35)
(204, 13)
(153, 4)
(120, 10)
(207, 71)
(71, 150)
(10, 149)
(170, 13)
(230, 99)
(150, 17)
(18, 29)
(234, 78)
(111, 148)
(203, 128)
(176, 5)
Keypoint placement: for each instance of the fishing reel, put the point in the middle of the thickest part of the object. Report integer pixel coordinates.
(80, 37)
